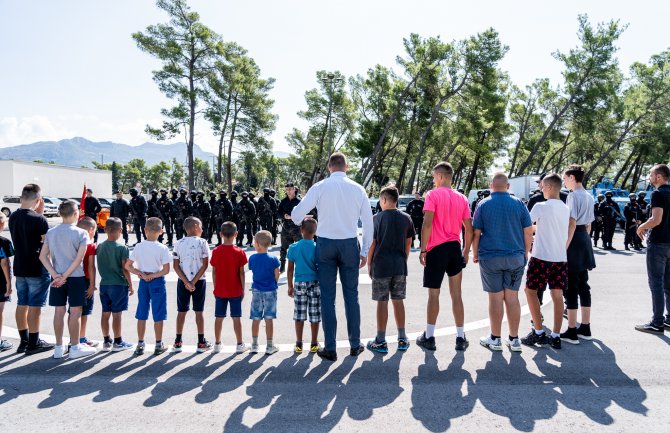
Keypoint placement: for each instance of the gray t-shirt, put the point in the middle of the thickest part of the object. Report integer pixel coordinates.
(64, 242)
(580, 203)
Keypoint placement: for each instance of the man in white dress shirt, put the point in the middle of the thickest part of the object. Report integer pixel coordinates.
(340, 203)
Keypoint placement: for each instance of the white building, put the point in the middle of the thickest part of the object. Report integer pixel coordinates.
(55, 180)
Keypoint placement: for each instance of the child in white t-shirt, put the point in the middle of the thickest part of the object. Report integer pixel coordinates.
(548, 262)
(191, 258)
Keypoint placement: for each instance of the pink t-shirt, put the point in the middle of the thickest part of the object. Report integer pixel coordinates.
(450, 208)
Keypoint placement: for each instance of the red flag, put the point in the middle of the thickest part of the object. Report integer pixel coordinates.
(82, 208)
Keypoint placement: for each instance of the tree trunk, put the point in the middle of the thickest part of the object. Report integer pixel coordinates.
(624, 166)
(219, 169)
(630, 170)
(229, 162)
(522, 133)
(629, 127)
(473, 174)
(319, 157)
(191, 131)
(636, 176)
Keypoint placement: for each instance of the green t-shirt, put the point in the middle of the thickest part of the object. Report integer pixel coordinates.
(111, 255)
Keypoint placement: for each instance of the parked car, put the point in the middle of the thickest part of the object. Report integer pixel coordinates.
(51, 206)
(403, 201)
(9, 204)
(105, 202)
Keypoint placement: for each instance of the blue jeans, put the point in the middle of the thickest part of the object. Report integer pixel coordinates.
(33, 291)
(658, 273)
(331, 255)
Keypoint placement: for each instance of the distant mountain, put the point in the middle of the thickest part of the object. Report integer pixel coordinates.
(77, 152)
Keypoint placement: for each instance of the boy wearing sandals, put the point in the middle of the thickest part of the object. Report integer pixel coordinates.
(387, 265)
(305, 291)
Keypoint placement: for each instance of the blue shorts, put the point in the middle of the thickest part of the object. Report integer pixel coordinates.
(114, 298)
(87, 309)
(152, 294)
(222, 307)
(263, 305)
(72, 293)
(33, 291)
(184, 297)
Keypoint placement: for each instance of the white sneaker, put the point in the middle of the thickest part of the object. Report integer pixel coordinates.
(81, 350)
(254, 348)
(217, 348)
(241, 348)
(514, 345)
(491, 343)
(59, 351)
(271, 349)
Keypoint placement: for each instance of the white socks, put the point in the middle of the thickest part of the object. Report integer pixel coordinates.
(460, 332)
(430, 330)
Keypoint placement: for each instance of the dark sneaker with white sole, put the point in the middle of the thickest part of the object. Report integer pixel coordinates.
(650, 328)
(462, 343)
(584, 332)
(570, 336)
(666, 324)
(533, 339)
(426, 343)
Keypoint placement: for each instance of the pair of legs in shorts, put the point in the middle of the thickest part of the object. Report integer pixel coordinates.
(263, 307)
(87, 310)
(151, 295)
(383, 289)
(540, 274)
(184, 297)
(220, 312)
(307, 300)
(31, 296)
(72, 293)
(501, 279)
(114, 301)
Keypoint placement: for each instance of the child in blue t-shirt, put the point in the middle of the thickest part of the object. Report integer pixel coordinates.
(305, 292)
(265, 270)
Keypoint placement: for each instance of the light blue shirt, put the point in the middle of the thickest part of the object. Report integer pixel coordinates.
(340, 203)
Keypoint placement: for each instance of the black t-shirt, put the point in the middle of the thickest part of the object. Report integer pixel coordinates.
(27, 228)
(661, 198)
(6, 251)
(392, 229)
(539, 198)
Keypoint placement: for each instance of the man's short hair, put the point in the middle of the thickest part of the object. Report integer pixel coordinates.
(87, 223)
(191, 222)
(89, 190)
(113, 224)
(67, 208)
(500, 179)
(154, 224)
(337, 161)
(553, 180)
(445, 168)
(577, 171)
(31, 192)
(263, 238)
(662, 170)
(228, 229)
(309, 226)
(390, 193)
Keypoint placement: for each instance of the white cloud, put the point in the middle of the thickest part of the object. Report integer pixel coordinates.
(24, 130)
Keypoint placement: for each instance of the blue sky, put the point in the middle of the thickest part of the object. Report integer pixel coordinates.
(70, 68)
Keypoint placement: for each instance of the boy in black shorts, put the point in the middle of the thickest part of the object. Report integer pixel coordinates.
(387, 265)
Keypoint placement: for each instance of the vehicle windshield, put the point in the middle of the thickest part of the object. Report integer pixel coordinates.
(404, 201)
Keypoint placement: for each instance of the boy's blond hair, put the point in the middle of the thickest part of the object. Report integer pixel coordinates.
(263, 238)
(154, 224)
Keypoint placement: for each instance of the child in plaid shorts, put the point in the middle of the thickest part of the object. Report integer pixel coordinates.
(305, 290)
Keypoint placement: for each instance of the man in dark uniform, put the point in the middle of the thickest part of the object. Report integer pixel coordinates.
(475, 202)
(213, 216)
(120, 209)
(174, 196)
(597, 225)
(92, 208)
(234, 203)
(152, 210)
(254, 226)
(266, 210)
(184, 210)
(415, 211)
(225, 212)
(610, 212)
(138, 207)
(166, 211)
(644, 212)
(631, 213)
(194, 196)
(204, 212)
(246, 214)
(290, 232)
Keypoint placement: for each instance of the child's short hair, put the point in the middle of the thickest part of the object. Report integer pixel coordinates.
(67, 208)
(31, 192)
(308, 226)
(577, 171)
(191, 222)
(263, 238)
(154, 225)
(228, 229)
(390, 193)
(87, 223)
(554, 180)
(113, 224)
(445, 168)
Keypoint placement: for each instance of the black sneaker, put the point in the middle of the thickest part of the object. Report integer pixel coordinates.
(23, 345)
(328, 355)
(139, 349)
(355, 351)
(160, 349)
(555, 342)
(532, 339)
(426, 343)
(570, 336)
(584, 332)
(666, 324)
(41, 346)
(461, 343)
(650, 328)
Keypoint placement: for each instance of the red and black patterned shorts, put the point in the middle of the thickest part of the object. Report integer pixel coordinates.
(541, 273)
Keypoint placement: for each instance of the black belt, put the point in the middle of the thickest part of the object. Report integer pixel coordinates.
(580, 228)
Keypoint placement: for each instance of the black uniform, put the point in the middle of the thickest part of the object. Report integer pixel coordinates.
(290, 232)
(631, 213)
(152, 210)
(225, 213)
(644, 216)
(213, 217)
(138, 207)
(174, 196)
(234, 203)
(92, 208)
(184, 208)
(597, 225)
(610, 212)
(166, 211)
(267, 208)
(254, 225)
(415, 211)
(275, 217)
(245, 213)
(539, 198)
(120, 209)
(204, 212)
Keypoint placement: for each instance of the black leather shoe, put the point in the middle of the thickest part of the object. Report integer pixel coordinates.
(355, 351)
(328, 355)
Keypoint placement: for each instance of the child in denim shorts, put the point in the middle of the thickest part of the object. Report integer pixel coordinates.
(265, 270)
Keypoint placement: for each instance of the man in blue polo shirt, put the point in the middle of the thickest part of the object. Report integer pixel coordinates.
(502, 241)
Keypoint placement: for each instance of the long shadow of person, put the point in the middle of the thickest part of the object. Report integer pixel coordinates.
(590, 381)
(438, 396)
(230, 379)
(511, 391)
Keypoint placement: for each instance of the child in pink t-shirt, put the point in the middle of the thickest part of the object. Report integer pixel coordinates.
(446, 211)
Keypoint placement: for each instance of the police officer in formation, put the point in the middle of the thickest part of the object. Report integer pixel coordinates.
(290, 232)
(203, 211)
(267, 209)
(120, 209)
(632, 214)
(275, 217)
(245, 213)
(225, 212)
(138, 208)
(610, 213)
(166, 211)
(415, 211)
(184, 209)
(213, 216)
(152, 210)
(597, 225)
